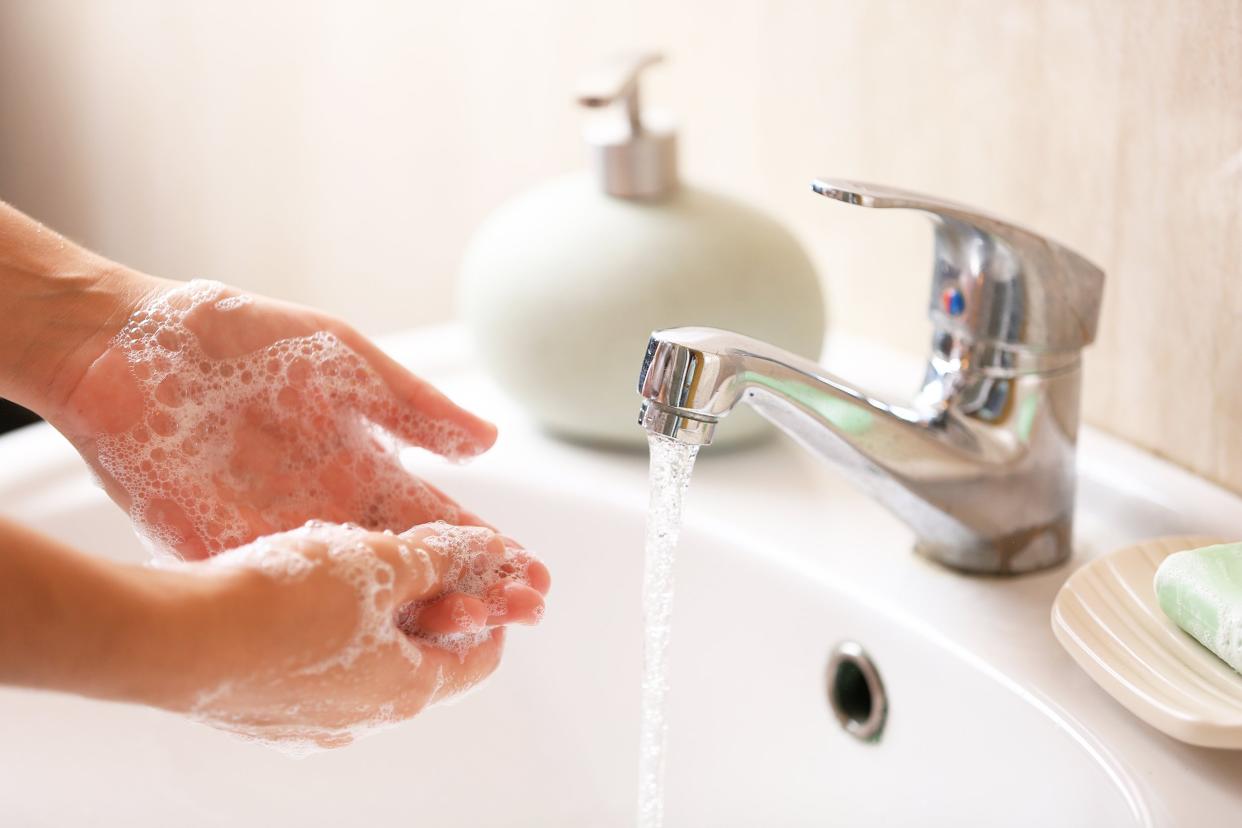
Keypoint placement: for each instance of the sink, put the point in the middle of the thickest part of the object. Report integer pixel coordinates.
(989, 722)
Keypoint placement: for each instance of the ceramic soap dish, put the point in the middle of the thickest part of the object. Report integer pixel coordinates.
(1107, 618)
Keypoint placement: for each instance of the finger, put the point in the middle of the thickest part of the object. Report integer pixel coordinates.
(416, 569)
(460, 672)
(524, 566)
(479, 553)
(511, 602)
(538, 576)
(466, 436)
(449, 548)
(454, 613)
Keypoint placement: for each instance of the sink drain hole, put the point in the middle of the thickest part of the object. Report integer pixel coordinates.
(855, 692)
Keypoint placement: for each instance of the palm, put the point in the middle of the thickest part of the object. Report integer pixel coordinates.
(214, 419)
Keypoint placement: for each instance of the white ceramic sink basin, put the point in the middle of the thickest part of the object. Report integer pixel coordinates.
(989, 722)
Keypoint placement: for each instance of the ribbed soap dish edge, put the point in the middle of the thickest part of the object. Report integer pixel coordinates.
(1106, 617)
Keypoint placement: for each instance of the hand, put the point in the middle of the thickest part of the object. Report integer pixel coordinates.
(326, 632)
(218, 420)
(215, 417)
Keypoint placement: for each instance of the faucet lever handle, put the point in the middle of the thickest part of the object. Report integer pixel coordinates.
(994, 281)
(878, 195)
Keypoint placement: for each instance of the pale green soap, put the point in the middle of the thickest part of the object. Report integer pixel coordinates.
(1201, 591)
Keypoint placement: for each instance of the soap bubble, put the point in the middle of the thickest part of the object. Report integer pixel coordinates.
(260, 442)
(467, 560)
(322, 717)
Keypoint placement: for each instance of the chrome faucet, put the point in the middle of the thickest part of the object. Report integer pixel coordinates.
(980, 463)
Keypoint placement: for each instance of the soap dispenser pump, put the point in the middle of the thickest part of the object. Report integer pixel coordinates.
(632, 158)
(562, 285)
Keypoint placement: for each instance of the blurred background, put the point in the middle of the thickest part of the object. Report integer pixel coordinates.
(340, 154)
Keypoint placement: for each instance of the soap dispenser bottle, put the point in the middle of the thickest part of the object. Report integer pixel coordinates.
(562, 285)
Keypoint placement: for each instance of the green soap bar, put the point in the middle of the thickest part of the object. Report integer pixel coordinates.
(1201, 591)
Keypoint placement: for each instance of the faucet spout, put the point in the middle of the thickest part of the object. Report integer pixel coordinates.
(989, 489)
(693, 377)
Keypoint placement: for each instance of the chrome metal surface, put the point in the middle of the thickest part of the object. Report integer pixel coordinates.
(633, 158)
(1019, 288)
(980, 463)
(855, 692)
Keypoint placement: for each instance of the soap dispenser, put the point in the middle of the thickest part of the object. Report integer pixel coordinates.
(562, 286)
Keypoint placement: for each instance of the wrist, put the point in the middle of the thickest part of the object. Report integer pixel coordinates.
(174, 640)
(63, 306)
(66, 321)
(84, 624)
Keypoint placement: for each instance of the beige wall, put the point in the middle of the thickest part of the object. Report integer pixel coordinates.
(339, 153)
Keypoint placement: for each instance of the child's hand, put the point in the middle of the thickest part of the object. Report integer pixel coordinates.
(215, 417)
(320, 634)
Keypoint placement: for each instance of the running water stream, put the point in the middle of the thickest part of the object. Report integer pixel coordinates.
(671, 465)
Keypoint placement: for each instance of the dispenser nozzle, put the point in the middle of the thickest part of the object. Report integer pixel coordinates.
(641, 160)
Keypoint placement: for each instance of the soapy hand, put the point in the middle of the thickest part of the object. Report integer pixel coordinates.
(214, 417)
(327, 632)
(223, 423)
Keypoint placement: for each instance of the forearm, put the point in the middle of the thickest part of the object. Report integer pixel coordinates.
(82, 624)
(59, 301)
